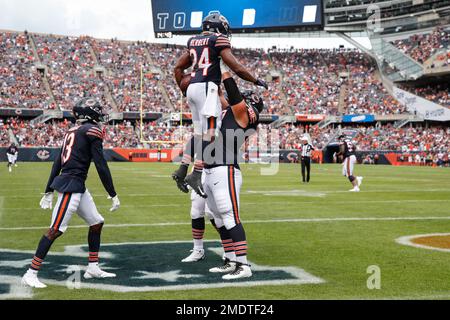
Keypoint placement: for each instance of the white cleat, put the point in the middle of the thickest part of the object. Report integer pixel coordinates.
(355, 189)
(96, 272)
(228, 266)
(359, 180)
(241, 271)
(30, 279)
(196, 255)
(9, 169)
(15, 165)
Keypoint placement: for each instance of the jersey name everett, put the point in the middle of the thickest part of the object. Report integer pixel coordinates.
(231, 138)
(204, 50)
(81, 145)
(349, 148)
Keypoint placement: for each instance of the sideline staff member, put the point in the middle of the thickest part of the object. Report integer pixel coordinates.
(305, 157)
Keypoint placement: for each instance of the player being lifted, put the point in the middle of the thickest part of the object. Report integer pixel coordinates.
(203, 54)
(347, 152)
(82, 144)
(12, 154)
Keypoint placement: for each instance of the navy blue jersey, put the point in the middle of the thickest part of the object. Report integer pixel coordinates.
(81, 145)
(204, 51)
(348, 148)
(231, 138)
(12, 150)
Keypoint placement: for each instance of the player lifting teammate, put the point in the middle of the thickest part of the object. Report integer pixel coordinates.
(223, 177)
(203, 55)
(347, 152)
(82, 144)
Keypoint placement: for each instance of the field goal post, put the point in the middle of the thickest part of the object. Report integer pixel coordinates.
(141, 117)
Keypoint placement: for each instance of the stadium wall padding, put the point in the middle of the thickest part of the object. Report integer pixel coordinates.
(169, 155)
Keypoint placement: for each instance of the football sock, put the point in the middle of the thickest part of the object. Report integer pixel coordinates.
(198, 229)
(94, 246)
(239, 243)
(227, 244)
(41, 252)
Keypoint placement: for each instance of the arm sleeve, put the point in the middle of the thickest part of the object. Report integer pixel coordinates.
(56, 169)
(222, 42)
(102, 166)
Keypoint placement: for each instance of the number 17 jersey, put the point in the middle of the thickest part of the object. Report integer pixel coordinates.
(204, 51)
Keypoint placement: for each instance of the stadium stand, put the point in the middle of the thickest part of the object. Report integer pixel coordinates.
(21, 83)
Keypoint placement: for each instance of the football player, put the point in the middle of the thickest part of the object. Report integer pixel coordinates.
(82, 144)
(12, 154)
(204, 53)
(347, 152)
(198, 211)
(223, 177)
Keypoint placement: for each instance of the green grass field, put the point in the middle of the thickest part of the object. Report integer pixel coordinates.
(287, 223)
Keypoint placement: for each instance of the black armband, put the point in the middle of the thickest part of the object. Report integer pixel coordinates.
(234, 95)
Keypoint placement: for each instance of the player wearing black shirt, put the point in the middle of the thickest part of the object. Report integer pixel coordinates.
(347, 152)
(12, 154)
(223, 178)
(82, 144)
(204, 54)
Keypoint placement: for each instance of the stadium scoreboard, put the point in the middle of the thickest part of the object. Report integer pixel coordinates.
(171, 17)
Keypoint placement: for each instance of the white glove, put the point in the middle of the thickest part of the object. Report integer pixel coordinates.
(223, 67)
(47, 201)
(115, 203)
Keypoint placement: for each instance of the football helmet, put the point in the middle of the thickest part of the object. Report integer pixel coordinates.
(216, 23)
(255, 104)
(89, 109)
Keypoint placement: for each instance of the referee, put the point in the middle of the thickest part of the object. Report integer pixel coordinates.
(306, 158)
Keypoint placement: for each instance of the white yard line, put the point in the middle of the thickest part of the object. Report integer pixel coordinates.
(287, 220)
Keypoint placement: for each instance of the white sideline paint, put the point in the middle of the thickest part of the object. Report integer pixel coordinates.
(408, 241)
(168, 224)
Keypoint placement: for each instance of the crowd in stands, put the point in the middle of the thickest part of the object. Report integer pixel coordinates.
(301, 80)
(422, 46)
(21, 84)
(439, 93)
(434, 141)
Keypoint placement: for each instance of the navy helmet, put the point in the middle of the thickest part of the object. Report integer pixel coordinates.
(90, 110)
(216, 23)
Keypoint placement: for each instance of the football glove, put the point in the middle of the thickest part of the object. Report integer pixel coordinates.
(194, 180)
(115, 203)
(262, 83)
(47, 201)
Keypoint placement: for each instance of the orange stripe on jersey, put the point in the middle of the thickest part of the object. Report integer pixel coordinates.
(348, 167)
(61, 211)
(233, 194)
(95, 135)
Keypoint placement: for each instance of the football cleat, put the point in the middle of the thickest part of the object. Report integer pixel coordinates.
(194, 180)
(94, 271)
(196, 255)
(355, 189)
(30, 279)
(228, 266)
(241, 271)
(179, 176)
(359, 180)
